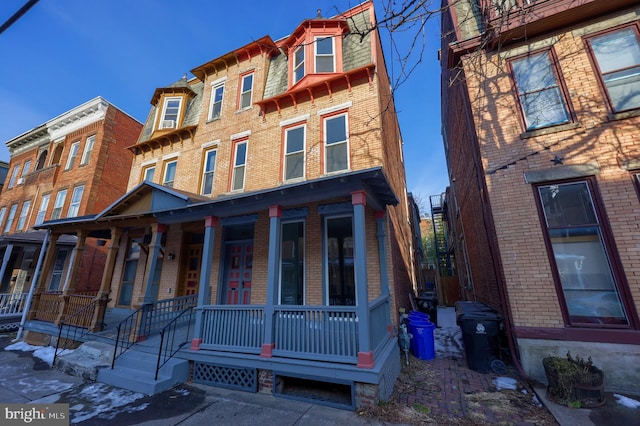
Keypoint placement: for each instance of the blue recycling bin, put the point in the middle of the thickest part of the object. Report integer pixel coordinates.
(425, 348)
(413, 317)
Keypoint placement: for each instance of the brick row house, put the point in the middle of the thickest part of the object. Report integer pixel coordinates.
(71, 165)
(268, 193)
(541, 120)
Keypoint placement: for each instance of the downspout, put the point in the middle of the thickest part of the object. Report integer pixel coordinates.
(34, 284)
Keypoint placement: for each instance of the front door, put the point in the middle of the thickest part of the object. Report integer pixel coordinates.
(191, 274)
(238, 265)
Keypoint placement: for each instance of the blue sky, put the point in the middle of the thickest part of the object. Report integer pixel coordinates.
(63, 53)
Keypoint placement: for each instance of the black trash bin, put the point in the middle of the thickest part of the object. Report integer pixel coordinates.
(428, 303)
(481, 338)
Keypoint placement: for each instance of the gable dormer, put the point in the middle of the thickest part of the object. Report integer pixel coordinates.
(171, 105)
(314, 49)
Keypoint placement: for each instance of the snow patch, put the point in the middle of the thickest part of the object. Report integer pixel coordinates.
(627, 402)
(505, 383)
(102, 401)
(45, 353)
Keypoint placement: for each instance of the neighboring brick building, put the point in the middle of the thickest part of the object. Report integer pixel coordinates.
(271, 189)
(541, 118)
(72, 165)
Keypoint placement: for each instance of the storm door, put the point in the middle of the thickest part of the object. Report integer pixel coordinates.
(237, 276)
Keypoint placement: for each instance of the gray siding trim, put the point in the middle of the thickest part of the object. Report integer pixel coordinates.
(562, 172)
(630, 164)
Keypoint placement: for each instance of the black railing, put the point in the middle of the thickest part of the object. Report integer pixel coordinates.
(128, 333)
(150, 318)
(169, 347)
(77, 325)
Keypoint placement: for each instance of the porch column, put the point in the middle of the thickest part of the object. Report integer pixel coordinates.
(107, 277)
(204, 289)
(157, 230)
(382, 260)
(5, 260)
(365, 355)
(70, 284)
(40, 283)
(275, 238)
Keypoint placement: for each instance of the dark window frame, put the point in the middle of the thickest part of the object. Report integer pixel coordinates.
(610, 249)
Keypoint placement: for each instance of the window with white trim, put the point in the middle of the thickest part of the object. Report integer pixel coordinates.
(10, 217)
(239, 165)
(3, 212)
(541, 97)
(148, 172)
(14, 176)
(294, 143)
(73, 153)
(170, 113)
(58, 269)
(25, 169)
(325, 58)
(617, 57)
(298, 64)
(76, 198)
(208, 171)
(246, 90)
(169, 173)
(336, 143)
(23, 215)
(88, 149)
(58, 204)
(42, 211)
(217, 93)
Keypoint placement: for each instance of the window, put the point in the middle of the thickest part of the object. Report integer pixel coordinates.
(217, 92)
(298, 64)
(541, 99)
(12, 215)
(239, 164)
(617, 56)
(294, 152)
(339, 261)
(58, 204)
(292, 264)
(129, 274)
(170, 113)
(25, 169)
(324, 55)
(76, 198)
(246, 88)
(208, 171)
(42, 159)
(336, 143)
(169, 173)
(3, 211)
(42, 211)
(88, 149)
(23, 215)
(73, 153)
(581, 255)
(58, 269)
(14, 176)
(148, 172)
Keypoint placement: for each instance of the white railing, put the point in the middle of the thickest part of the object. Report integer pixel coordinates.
(238, 328)
(12, 304)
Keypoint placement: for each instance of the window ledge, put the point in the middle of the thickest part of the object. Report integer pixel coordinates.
(211, 120)
(549, 130)
(622, 115)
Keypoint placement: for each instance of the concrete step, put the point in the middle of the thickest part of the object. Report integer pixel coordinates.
(135, 371)
(86, 360)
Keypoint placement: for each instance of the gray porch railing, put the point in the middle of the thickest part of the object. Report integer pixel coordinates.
(238, 328)
(327, 333)
(158, 314)
(12, 304)
(379, 321)
(170, 340)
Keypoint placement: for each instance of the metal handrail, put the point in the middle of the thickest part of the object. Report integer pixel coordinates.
(79, 331)
(128, 324)
(167, 351)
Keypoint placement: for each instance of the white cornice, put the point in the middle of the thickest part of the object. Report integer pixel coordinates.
(77, 118)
